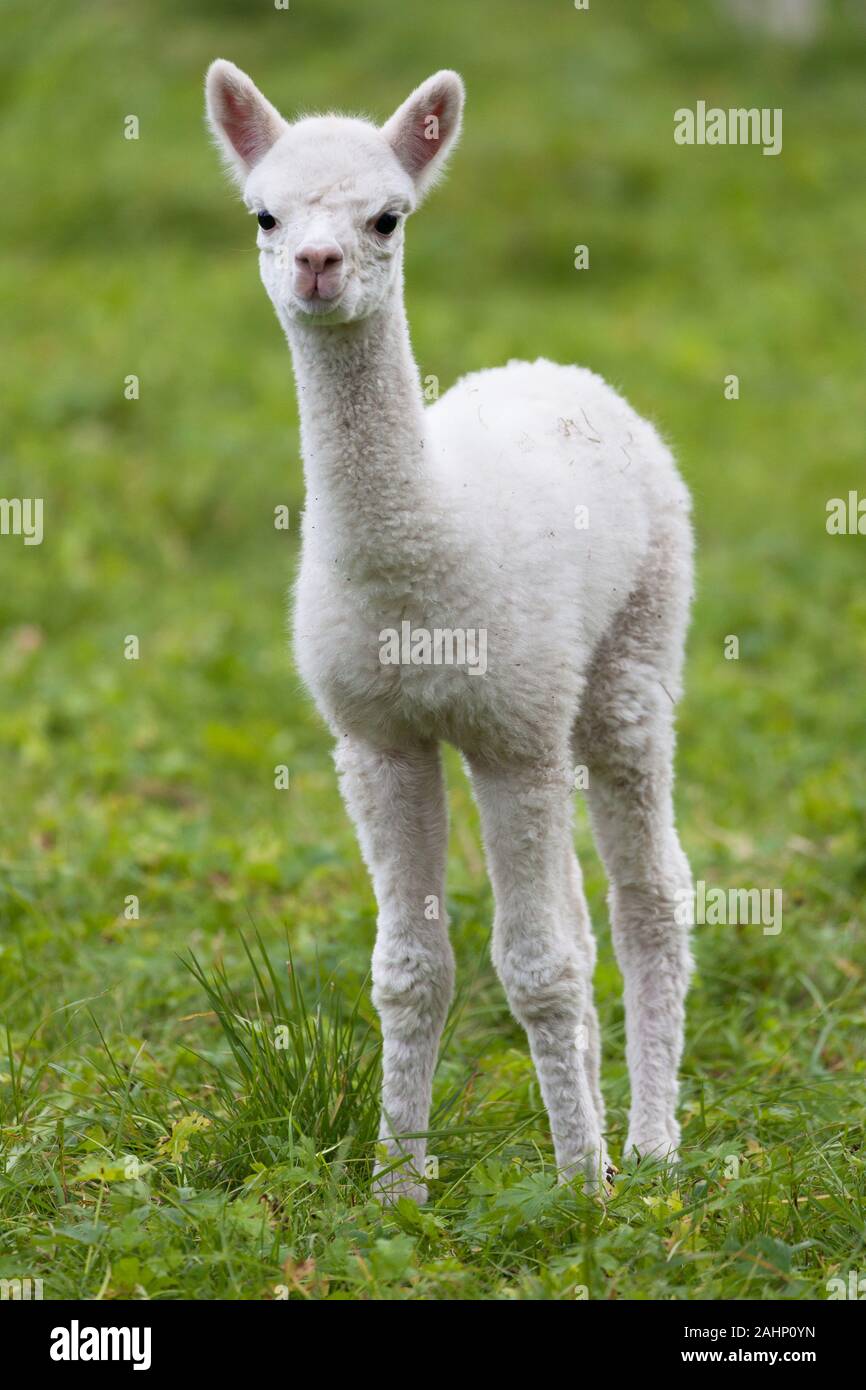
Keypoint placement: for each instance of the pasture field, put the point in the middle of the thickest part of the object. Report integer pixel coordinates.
(155, 1142)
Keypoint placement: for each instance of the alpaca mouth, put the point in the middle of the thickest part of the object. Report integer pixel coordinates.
(318, 303)
(320, 285)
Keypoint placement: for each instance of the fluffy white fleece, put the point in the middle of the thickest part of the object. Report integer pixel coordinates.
(530, 504)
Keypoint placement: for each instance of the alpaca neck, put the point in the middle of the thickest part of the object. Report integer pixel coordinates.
(363, 432)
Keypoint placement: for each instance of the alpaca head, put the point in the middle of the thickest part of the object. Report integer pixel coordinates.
(331, 193)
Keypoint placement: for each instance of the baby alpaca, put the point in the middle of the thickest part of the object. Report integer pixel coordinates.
(530, 507)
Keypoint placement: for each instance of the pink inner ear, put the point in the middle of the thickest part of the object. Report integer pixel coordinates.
(419, 147)
(243, 123)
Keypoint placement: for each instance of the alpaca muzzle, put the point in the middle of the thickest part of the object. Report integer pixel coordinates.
(318, 271)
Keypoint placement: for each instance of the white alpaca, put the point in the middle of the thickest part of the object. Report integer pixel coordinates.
(530, 504)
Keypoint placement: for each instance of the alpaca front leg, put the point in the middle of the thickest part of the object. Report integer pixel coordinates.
(544, 964)
(397, 800)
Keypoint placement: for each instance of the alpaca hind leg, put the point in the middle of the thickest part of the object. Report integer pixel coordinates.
(625, 736)
(649, 886)
(590, 1036)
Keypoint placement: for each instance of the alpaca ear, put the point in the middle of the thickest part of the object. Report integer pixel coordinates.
(426, 127)
(243, 122)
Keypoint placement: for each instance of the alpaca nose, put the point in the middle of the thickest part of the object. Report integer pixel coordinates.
(319, 256)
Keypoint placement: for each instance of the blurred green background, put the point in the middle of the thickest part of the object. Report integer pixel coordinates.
(155, 777)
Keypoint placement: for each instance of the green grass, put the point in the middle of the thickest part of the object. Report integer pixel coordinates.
(156, 1142)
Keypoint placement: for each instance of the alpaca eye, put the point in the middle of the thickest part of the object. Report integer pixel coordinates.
(386, 224)
(266, 221)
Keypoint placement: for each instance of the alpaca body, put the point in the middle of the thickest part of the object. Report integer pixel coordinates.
(497, 542)
(530, 505)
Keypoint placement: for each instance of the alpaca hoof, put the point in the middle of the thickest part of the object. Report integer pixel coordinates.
(390, 1193)
(652, 1148)
(388, 1188)
(598, 1176)
(600, 1183)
